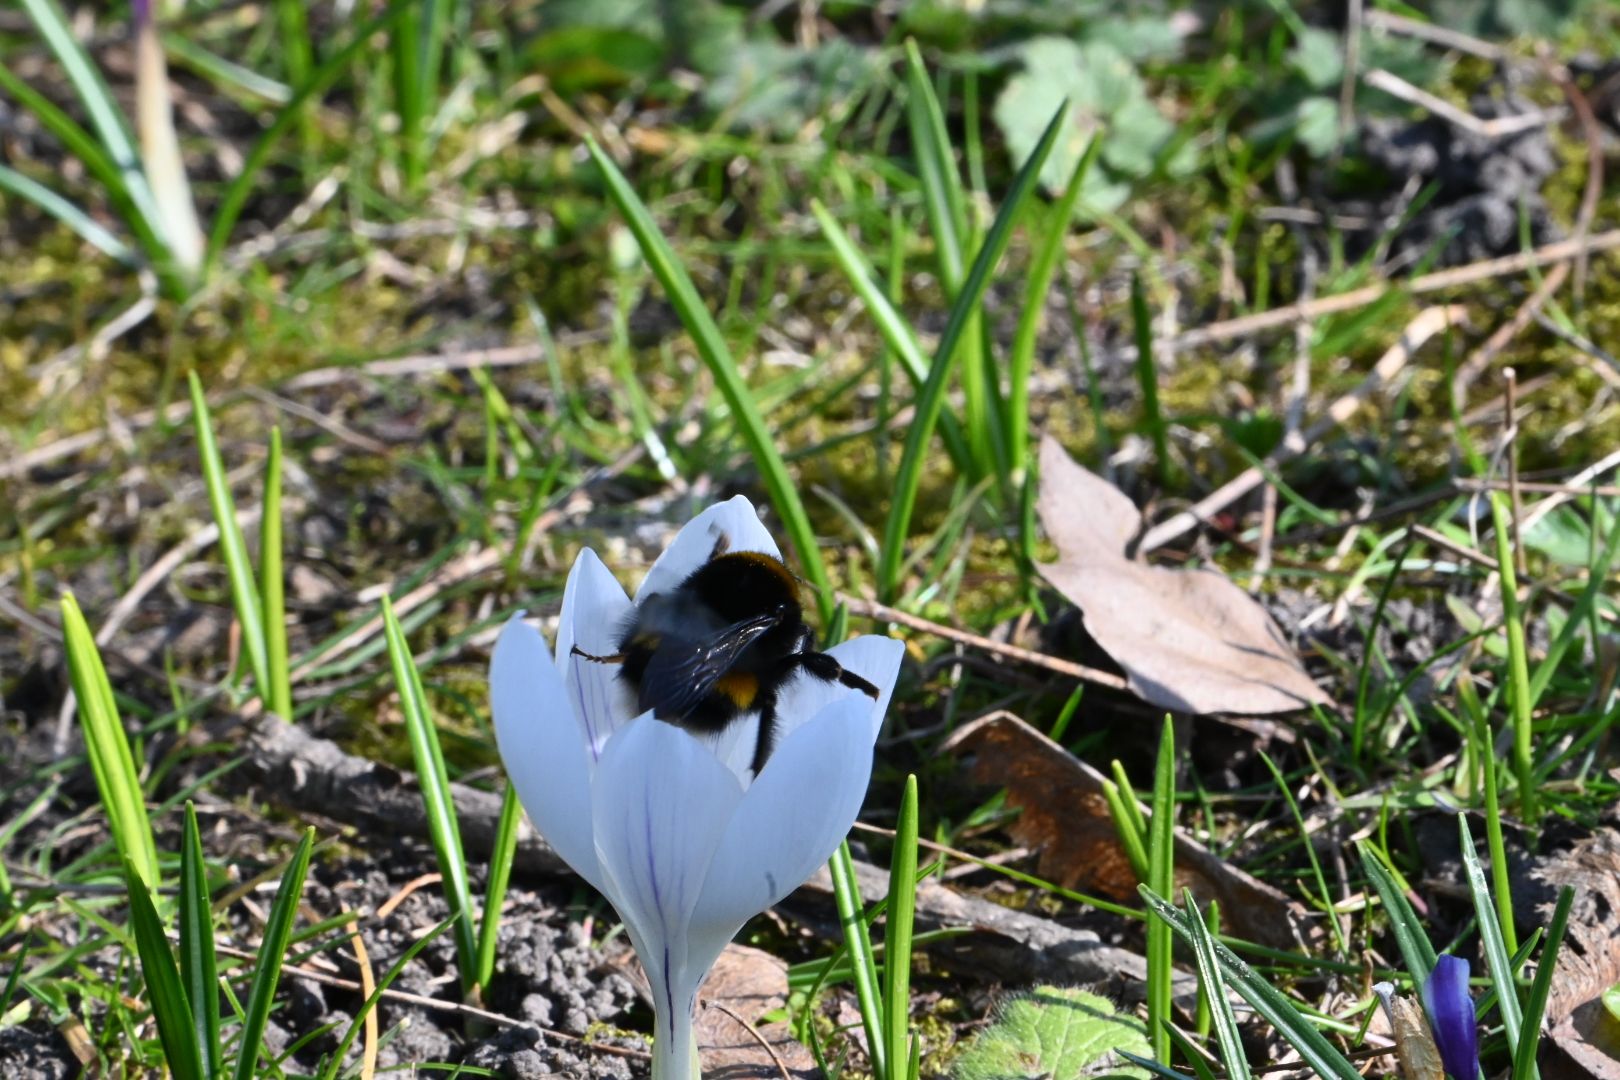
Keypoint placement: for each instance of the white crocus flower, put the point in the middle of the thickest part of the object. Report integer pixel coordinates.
(674, 829)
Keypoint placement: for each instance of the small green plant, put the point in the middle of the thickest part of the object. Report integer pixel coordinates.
(260, 610)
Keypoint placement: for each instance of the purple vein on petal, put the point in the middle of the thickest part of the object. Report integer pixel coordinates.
(584, 711)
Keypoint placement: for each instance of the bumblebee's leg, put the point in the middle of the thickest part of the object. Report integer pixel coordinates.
(616, 658)
(722, 544)
(765, 742)
(826, 667)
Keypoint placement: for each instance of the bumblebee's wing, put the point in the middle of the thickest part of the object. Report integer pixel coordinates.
(682, 671)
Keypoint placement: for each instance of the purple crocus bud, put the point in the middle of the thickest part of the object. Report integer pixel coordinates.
(1451, 1016)
(142, 11)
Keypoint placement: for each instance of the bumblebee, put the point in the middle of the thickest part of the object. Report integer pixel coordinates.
(721, 645)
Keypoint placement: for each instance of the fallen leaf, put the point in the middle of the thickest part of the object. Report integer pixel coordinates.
(1064, 816)
(1589, 960)
(743, 986)
(1187, 640)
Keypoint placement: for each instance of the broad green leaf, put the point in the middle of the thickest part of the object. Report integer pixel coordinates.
(1107, 100)
(1055, 1032)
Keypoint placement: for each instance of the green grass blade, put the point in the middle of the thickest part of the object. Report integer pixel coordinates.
(244, 591)
(1131, 838)
(1410, 936)
(1492, 942)
(272, 586)
(170, 1008)
(236, 194)
(891, 325)
(1227, 1036)
(931, 398)
(292, 20)
(1161, 856)
(1579, 612)
(99, 103)
(117, 780)
(1267, 1000)
(1535, 1006)
(1128, 797)
(404, 45)
(1147, 377)
(89, 230)
(862, 960)
(78, 142)
(897, 938)
(336, 1061)
(1191, 1053)
(500, 872)
(946, 205)
(1310, 853)
(1518, 673)
(711, 346)
(272, 952)
(1021, 361)
(434, 781)
(941, 182)
(198, 972)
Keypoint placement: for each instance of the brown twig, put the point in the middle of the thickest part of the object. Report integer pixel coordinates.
(1438, 281)
(1501, 126)
(368, 986)
(1538, 488)
(874, 610)
(1443, 36)
(781, 1066)
(1425, 325)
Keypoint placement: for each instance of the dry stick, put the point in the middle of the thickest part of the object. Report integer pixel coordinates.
(419, 364)
(753, 1031)
(1461, 551)
(1430, 32)
(873, 610)
(1575, 488)
(368, 986)
(1510, 399)
(1397, 87)
(1538, 488)
(1428, 283)
(1425, 325)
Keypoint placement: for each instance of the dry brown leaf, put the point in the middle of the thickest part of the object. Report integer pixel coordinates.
(1187, 640)
(743, 986)
(1064, 816)
(1589, 960)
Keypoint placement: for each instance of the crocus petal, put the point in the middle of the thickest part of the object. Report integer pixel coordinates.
(594, 611)
(792, 818)
(660, 804)
(871, 656)
(1451, 1016)
(734, 520)
(540, 745)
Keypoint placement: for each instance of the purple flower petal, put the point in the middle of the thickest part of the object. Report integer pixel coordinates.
(1451, 1016)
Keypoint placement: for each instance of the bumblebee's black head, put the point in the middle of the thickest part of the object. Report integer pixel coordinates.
(740, 584)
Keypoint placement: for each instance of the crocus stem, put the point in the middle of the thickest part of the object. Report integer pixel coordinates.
(674, 1048)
